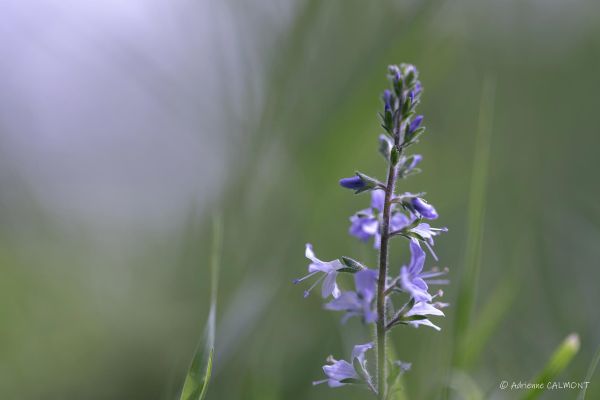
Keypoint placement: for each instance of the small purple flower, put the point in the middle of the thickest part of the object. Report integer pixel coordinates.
(422, 309)
(414, 125)
(412, 278)
(354, 183)
(358, 303)
(387, 99)
(342, 372)
(395, 73)
(425, 209)
(418, 88)
(414, 161)
(365, 224)
(329, 273)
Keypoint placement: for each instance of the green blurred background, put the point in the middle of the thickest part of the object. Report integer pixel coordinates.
(125, 126)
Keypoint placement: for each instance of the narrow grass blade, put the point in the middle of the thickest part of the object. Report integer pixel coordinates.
(487, 321)
(198, 375)
(558, 362)
(465, 386)
(590, 373)
(468, 284)
(496, 307)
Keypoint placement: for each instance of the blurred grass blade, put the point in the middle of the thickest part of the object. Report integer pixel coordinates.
(558, 362)
(590, 373)
(494, 310)
(465, 386)
(468, 283)
(485, 325)
(198, 375)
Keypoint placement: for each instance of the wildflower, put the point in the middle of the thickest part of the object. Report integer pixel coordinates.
(387, 100)
(394, 73)
(358, 303)
(366, 223)
(424, 209)
(360, 182)
(414, 125)
(329, 274)
(354, 183)
(413, 161)
(409, 165)
(342, 372)
(402, 215)
(412, 278)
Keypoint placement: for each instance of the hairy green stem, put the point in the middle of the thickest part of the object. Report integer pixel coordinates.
(381, 285)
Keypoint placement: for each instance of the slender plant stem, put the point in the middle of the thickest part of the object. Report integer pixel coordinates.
(381, 285)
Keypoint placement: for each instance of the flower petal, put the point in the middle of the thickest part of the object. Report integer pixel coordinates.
(366, 282)
(417, 258)
(340, 370)
(329, 285)
(359, 351)
(377, 199)
(425, 322)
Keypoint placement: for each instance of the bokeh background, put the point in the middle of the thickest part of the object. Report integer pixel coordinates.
(125, 126)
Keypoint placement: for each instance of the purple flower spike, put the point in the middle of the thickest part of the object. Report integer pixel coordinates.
(342, 372)
(329, 274)
(414, 125)
(425, 209)
(354, 183)
(358, 303)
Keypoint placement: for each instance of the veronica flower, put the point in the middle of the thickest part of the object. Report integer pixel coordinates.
(414, 160)
(414, 125)
(412, 278)
(342, 372)
(415, 92)
(354, 183)
(358, 303)
(365, 224)
(423, 208)
(422, 309)
(328, 270)
(387, 100)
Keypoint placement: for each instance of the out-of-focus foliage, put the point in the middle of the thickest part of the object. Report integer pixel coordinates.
(125, 125)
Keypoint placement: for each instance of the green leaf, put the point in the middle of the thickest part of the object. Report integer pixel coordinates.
(590, 373)
(414, 137)
(558, 362)
(198, 375)
(353, 381)
(465, 387)
(395, 156)
(351, 264)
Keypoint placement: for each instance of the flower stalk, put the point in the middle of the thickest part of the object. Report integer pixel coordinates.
(389, 215)
(381, 283)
